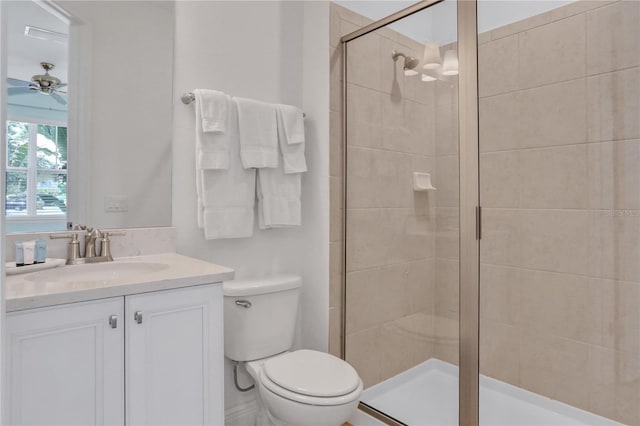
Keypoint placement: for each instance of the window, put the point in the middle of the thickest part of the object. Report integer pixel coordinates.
(36, 179)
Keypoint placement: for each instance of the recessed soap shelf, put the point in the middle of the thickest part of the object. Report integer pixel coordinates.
(422, 182)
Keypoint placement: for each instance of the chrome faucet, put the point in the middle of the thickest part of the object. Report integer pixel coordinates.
(92, 236)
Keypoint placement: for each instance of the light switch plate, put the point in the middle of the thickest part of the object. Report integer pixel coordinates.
(116, 203)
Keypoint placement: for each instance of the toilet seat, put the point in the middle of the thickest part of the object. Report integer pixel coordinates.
(311, 377)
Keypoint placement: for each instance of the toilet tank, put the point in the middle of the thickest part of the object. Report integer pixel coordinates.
(260, 316)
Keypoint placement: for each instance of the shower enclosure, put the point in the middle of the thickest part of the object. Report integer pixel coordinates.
(490, 208)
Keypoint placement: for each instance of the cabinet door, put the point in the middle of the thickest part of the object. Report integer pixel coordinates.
(65, 365)
(174, 357)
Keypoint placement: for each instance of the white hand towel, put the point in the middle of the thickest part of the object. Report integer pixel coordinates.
(293, 123)
(212, 148)
(292, 154)
(278, 199)
(213, 109)
(226, 204)
(258, 133)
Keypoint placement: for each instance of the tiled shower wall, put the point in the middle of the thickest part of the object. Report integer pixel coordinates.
(560, 188)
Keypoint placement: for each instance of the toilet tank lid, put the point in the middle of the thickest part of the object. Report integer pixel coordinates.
(270, 284)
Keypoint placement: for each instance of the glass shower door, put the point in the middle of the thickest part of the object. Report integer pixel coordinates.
(402, 214)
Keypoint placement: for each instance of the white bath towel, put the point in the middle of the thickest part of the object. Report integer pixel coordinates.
(212, 148)
(293, 123)
(258, 133)
(278, 198)
(213, 109)
(226, 206)
(292, 153)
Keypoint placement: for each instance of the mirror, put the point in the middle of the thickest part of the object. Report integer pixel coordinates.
(94, 147)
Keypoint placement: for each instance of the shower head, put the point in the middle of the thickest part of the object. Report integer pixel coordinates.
(409, 62)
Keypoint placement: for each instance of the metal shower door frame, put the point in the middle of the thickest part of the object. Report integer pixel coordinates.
(469, 193)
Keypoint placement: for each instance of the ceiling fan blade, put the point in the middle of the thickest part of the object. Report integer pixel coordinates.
(18, 83)
(19, 90)
(58, 98)
(59, 86)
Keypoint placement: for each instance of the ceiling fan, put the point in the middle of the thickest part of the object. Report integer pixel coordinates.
(40, 83)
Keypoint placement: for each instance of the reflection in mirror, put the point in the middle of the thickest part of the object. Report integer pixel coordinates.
(36, 167)
(89, 139)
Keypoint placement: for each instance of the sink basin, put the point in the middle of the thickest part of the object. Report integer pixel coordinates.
(98, 273)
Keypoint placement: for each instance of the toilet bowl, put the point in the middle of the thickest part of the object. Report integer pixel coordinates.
(306, 388)
(295, 388)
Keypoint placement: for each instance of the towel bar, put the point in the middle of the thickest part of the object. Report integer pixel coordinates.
(187, 98)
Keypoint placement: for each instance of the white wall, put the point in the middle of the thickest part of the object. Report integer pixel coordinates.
(274, 51)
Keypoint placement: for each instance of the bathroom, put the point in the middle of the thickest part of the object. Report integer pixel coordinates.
(555, 275)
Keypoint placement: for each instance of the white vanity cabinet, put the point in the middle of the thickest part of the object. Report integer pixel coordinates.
(174, 357)
(159, 354)
(66, 364)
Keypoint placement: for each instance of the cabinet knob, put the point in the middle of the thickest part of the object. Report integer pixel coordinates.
(137, 316)
(113, 321)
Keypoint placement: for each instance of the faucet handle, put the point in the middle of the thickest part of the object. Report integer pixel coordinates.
(74, 246)
(105, 243)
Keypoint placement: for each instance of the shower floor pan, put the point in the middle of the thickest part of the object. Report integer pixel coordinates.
(427, 395)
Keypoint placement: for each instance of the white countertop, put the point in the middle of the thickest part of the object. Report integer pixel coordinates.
(181, 271)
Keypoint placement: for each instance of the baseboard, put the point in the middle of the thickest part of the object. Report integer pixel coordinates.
(241, 415)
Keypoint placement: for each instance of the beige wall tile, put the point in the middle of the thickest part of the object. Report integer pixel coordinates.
(419, 284)
(447, 232)
(364, 117)
(500, 124)
(447, 289)
(420, 124)
(498, 66)
(614, 105)
(614, 248)
(498, 351)
(554, 178)
(398, 346)
(501, 237)
(361, 70)
(616, 303)
(446, 339)
(615, 384)
(612, 37)
(401, 235)
(447, 181)
(375, 296)
(559, 304)
(446, 130)
(363, 354)
(614, 176)
(555, 240)
(553, 52)
(552, 115)
(555, 367)
(500, 181)
(500, 294)
(378, 178)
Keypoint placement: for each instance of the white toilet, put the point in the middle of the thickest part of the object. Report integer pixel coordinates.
(298, 388)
